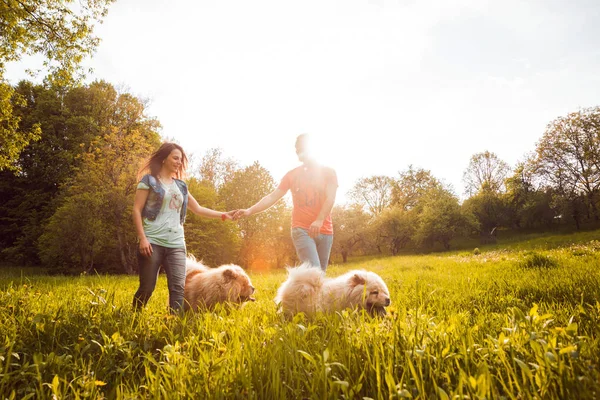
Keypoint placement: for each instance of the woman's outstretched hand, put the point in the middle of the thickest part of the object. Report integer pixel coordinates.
(228, 215)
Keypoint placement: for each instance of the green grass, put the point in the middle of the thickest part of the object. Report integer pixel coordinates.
(517, 322)
(527, 240)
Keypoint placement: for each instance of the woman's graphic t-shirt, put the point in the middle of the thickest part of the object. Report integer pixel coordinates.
(166, 230)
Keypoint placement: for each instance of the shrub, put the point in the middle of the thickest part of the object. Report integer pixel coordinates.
(537, 260)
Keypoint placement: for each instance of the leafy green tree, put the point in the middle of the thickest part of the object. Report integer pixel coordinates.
(282, 249)
(396, 227)
(246, 187)
(70, 122)
(351, 227)
(262, 234)
(566, 207)
(373, 193)
(489, 209)
(485, 172)
(74, 239)
(210, 240)
(216, 169)
(519, 188)
(442, 219)
(526, 205)
(105, 184)
(12, 139)
(412, 186)
(60, 31)
(568, 156)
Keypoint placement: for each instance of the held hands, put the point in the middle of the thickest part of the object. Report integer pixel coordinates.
(241, 213)
(315, 228)
(228, 215)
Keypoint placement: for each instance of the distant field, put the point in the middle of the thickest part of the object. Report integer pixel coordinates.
(516, 321)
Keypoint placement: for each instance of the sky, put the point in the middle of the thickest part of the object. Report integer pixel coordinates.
(382, 84)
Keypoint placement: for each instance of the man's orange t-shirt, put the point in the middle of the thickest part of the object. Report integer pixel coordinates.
(308, 184)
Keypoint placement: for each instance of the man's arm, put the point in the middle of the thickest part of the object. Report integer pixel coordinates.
(262, 205)
(330, 192)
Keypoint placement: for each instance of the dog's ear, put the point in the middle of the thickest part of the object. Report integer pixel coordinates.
(230, 274)
(356, 280)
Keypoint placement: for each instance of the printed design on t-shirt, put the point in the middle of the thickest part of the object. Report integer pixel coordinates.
(176, 200)
(308, 190)
(154, 202)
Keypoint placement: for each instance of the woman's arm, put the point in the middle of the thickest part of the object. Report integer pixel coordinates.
(197, 209)
(141, 195)
(262, 205)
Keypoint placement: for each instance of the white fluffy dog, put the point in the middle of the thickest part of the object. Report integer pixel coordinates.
(307, 290)
(205, 287)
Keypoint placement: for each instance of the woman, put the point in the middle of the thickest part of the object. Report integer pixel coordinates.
(159, 209)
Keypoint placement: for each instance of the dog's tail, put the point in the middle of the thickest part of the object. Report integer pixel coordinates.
(193, 267)
(306, 273)
(305, 279)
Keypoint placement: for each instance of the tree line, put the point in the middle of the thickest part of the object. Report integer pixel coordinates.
(70, 153)
(67, 197)
(555, 187)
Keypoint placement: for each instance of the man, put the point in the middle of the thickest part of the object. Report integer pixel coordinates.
(313, 189)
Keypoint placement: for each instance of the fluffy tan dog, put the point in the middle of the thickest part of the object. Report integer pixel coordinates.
(205, 287)
(308, 290)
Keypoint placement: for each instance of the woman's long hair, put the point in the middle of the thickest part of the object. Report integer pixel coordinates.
(154, 163)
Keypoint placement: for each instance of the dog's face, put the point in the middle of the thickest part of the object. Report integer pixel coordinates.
(375, 294)
(237, 284)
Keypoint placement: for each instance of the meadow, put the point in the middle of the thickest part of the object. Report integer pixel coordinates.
(513, 321)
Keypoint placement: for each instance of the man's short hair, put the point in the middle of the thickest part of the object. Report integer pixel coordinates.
(302, 138)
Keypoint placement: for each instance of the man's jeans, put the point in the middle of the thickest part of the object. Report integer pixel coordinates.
(314, 251)
(173, 261)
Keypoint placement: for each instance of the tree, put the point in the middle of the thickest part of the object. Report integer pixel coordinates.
(104, 184)
(425, 212)
(351, 226)
(411, 187)
(442, 219)
(527, 206)
(12, 139)
(568, 156)
(246, 187)
(59, 31)
(211, 240)
(261, 233)
(485, 172)
(70, 121)
(519, 186)
(396, 227)
(216, 169)
(566, 207)
(374, 193)
(74, 237)
(282, 248)
(490, 211)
